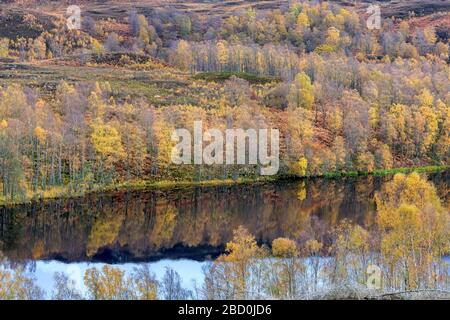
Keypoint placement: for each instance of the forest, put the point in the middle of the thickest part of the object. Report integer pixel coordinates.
(345, 98)
(88, 108)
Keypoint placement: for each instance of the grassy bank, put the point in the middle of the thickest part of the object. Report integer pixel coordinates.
(222, 76)
(386, 172)
(64, 193)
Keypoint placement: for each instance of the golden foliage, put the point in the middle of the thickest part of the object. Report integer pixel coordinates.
(284, 248)
(415, 229)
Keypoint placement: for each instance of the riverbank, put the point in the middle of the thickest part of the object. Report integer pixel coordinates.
(64, 193)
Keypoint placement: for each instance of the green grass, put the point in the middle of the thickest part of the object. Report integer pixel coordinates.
(135, 88)
(166, 184)
(385, 172)
(222, 76)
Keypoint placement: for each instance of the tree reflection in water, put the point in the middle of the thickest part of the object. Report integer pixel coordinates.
(192, 223)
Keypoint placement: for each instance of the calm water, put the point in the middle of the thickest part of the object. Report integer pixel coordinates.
(182, 228)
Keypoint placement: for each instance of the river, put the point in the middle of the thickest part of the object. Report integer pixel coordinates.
(181, 229)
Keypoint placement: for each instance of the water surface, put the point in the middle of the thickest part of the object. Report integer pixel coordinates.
(182, 228)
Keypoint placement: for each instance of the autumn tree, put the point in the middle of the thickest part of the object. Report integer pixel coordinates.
(64, 288)
(4, 47)
(301, 93)
(171, 286)
(144, 285)
(112, 43)
(414, 230)
(237, 91)
(181, 56)
(184, 24)
(351, 254)
(236, 274)
(17, 284)
(107, 143)
(109, 283)
(286, 270)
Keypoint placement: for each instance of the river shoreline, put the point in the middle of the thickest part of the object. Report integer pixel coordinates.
(62, 192)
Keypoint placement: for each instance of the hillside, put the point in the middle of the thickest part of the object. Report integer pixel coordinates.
(91, 109)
